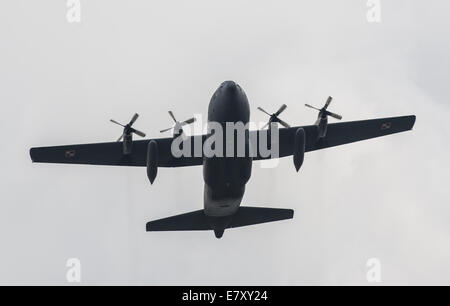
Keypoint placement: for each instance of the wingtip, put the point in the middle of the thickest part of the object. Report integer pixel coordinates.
(149, 227)
(413, 121)
(32, 150)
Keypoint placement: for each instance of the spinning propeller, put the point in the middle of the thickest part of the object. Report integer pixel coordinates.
(178, 125)
(323, 111)
(274, 117)
(127, 129)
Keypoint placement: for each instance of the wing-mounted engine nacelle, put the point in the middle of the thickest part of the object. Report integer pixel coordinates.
(322, 125)
(322, 118)
(152, 160)
(299, 148)
(127, 143)
(127, 134)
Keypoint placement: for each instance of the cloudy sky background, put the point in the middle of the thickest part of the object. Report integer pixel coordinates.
(388, 198)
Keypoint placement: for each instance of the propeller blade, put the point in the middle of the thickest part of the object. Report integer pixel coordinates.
(284, 123)
(120, 138)
(165, 130)
(259, 108)
(114, 121)
(189, 121)
(328, 102)
(310, 106)
(281, 109)
(135, 116)
(173, 117)
(265, 125)
(339, 117)
(138, 132)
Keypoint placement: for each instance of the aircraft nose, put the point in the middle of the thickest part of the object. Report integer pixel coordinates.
(230, 87)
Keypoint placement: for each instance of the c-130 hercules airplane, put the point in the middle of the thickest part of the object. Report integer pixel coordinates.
(225, 177)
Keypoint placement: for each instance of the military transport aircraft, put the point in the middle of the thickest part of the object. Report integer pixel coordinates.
(225, 177)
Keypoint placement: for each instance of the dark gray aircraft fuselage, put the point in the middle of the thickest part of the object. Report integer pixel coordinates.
(225, 177)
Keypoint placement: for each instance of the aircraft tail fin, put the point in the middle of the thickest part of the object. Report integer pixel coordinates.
(198, 221)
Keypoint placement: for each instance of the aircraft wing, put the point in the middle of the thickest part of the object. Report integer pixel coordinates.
(110, 153)
(343, 133)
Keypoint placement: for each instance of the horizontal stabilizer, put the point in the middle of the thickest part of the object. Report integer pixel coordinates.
(193, 221)
(255, 215)
(198, 221)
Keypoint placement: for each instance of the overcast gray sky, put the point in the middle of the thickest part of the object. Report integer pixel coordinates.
(388, 198)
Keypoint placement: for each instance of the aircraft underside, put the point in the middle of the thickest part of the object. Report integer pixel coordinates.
(225, 177)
